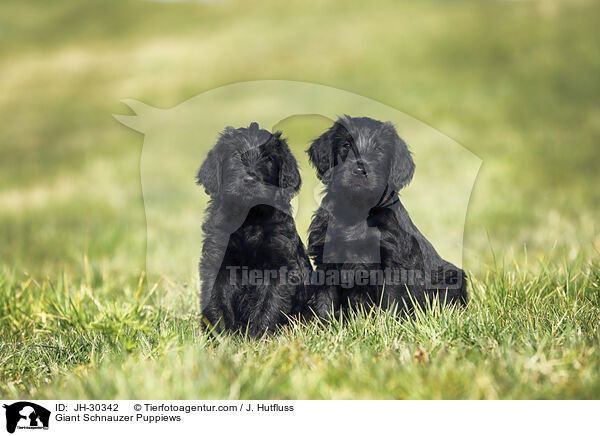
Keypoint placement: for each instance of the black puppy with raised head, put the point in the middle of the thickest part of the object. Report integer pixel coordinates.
(253, 264)
(362, 230)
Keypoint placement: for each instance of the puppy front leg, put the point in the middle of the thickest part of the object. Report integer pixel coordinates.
(217, 303)
(325, 302)
(212, 316)
(269, 311)
(209, 302)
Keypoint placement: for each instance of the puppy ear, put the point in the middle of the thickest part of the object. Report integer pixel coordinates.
(403, 166)
(209, 173)
(320, 154)
(289, 176)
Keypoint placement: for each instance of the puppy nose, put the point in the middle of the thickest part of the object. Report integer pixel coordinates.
(359, 169)
(249, 178)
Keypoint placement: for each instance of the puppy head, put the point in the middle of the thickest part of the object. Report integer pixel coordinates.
(250, 164)
(358, 157)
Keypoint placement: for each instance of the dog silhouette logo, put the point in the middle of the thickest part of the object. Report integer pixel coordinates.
(178, 138)
(26, 415)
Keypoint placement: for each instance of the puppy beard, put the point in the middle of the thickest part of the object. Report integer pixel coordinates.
(360, 191)
(253, 194)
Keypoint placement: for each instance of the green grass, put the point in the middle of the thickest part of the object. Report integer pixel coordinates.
(514, 82)
(522, 336)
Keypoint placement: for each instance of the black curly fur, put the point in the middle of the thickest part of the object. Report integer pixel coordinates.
(362, 225)
(251, 177)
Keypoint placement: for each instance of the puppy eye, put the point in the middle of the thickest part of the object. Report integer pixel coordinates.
(347, 145)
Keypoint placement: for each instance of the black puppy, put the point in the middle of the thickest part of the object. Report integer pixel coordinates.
(253, 265)
(361, 235)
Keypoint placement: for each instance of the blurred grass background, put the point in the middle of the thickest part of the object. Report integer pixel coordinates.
(515, 82)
